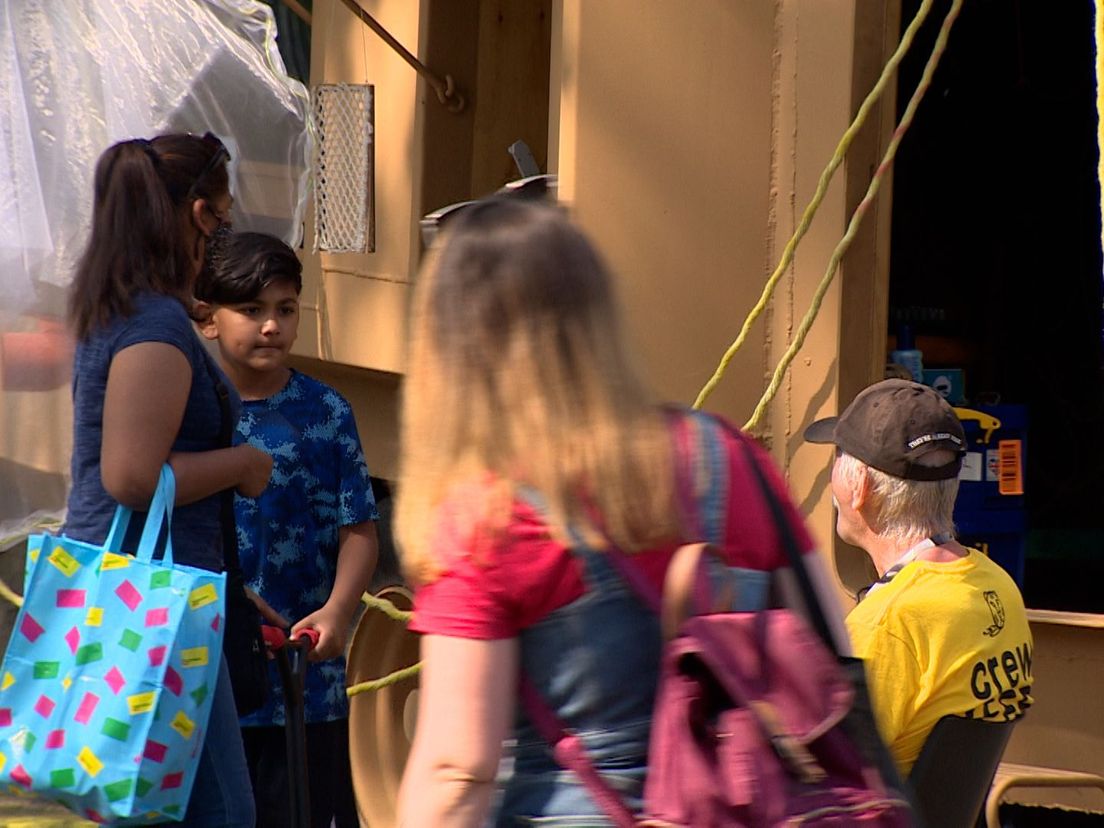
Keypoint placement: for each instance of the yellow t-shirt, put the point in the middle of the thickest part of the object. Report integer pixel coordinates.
(943, 639)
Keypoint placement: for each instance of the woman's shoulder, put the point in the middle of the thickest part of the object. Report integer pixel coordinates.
(156, 318)
(153, 318)
(483, 520)
(698, 436)
(679, 415)
(149, 306)
(502, 567)
(725, 463)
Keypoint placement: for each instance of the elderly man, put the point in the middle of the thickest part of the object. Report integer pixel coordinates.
(943, 630)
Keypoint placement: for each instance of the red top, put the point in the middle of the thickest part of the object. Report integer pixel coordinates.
(494, 585)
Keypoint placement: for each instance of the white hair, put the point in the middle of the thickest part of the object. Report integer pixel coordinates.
(905, 510)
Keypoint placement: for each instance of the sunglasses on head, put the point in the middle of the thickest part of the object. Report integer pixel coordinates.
(531, 188)
(219, 155)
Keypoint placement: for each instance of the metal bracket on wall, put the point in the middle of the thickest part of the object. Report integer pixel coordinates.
(446, 90)
(523, 159)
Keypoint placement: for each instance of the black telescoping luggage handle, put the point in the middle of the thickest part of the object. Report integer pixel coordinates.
(796, 558)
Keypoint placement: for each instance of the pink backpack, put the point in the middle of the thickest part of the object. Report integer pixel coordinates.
(759, 721)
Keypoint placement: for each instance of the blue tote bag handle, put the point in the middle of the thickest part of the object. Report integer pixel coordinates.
(160, 513)
(117, 532)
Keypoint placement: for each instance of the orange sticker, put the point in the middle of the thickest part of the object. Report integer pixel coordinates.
(1010, 467)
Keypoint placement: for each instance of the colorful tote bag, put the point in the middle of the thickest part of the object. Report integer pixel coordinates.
(108, 679)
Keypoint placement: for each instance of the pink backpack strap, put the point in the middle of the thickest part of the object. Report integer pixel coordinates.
(794, 553)
(701, 486)
(570, 752)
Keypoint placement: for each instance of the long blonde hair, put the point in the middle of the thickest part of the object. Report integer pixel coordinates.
(518, 376)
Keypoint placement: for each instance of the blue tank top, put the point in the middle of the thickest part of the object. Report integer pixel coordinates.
(197, 539)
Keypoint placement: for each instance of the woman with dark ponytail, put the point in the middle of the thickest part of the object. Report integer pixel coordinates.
(145, 390)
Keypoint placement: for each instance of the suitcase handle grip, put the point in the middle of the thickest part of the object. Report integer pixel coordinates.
(276, 639)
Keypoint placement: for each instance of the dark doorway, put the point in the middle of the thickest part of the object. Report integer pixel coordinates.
(996, 260)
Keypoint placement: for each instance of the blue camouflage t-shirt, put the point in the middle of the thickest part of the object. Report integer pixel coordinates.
(288, 537)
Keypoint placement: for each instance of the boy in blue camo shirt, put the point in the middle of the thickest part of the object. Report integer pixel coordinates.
(308, 544)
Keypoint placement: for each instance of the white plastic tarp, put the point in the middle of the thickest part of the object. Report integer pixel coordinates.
(75, 77)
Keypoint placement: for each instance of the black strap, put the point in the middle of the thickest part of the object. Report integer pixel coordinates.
(226, 496)
(793, 552)
(938, 539)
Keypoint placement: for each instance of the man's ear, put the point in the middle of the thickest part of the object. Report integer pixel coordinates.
(861, 488)
(204, 315)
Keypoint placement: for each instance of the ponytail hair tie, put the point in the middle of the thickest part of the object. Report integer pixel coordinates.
(147, 147)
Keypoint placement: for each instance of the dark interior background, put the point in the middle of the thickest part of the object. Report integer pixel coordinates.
(996, 256)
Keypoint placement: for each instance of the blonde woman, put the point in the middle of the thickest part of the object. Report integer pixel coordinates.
(530, 452)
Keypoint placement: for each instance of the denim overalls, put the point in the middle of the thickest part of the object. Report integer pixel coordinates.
(595, 662)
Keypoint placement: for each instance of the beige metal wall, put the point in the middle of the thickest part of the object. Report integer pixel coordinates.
(354, 305)
(678, 144)
(1064, 728)
(689, 145)
(353, 332)
(688, 141)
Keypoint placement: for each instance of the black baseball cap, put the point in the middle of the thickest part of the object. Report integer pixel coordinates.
(891, 425)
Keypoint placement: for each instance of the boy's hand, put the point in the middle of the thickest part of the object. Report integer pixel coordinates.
(332, 628)
(256, 468)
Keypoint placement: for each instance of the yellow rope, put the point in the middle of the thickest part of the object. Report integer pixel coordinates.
(385, 681)
(395, 614)
(8, 594)
(818, 197)
(856, 219)
(386, 607)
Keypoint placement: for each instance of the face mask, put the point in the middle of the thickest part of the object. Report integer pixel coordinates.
(215, 249)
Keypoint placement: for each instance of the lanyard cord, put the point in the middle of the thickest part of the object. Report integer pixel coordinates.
(937, 539)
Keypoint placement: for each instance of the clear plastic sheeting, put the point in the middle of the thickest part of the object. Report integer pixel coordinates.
(76, 77)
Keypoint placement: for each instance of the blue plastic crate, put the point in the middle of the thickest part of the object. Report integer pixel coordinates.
(990, 512)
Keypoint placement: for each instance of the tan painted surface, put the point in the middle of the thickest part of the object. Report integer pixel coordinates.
(354, 304)
(1065, 727)
(679, 146)
(426, 156)
(664, 149)
(812, 108)
(864, 272)
(688, 146)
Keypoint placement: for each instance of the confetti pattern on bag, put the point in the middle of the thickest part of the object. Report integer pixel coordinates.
(107, 682)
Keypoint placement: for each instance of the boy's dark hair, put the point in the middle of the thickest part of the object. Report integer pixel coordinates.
(249, 263)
